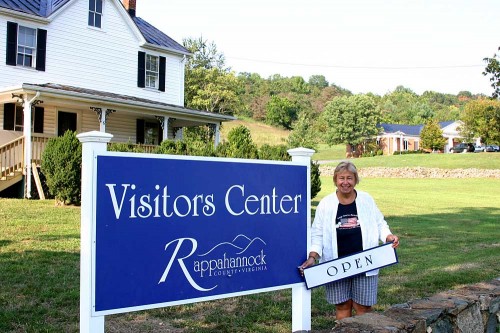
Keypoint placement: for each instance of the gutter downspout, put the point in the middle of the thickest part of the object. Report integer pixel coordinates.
(27, 142)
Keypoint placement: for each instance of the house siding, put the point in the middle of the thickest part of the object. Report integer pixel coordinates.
(73, 59)
(122, 127)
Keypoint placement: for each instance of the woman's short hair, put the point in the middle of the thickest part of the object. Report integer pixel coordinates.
(346, 166)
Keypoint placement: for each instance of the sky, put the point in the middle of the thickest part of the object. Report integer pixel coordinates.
(360, 45)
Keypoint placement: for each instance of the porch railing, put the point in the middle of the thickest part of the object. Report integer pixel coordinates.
(11, 158)
(38, 144)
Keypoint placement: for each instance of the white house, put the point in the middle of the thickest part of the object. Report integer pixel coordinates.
(86, 65)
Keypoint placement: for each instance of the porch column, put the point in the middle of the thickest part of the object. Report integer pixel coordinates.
(27, 104)
(166, 121)
(217, 135)
(450, 144)
(395, 144)
(102, 115)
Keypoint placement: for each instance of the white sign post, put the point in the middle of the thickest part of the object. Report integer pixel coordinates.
(301, 297)
(92, 142)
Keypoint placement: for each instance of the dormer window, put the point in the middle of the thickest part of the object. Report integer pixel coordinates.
(95, 13)
(152, 72)
(26, 47)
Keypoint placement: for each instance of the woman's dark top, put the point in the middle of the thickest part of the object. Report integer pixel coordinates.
(349, 239)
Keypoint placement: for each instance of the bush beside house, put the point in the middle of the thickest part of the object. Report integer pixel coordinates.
(62, 167)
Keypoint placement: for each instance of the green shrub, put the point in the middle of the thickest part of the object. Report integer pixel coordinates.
(62, 166)
(239, 144)
(198, 147)
(315, 179)
(409, 152)
(125, 147)
(277, 153)
(172, 147)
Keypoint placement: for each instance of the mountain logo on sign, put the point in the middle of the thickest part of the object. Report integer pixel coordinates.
(241, 243)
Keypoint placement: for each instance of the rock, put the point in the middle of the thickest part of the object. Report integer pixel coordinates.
(417, 172)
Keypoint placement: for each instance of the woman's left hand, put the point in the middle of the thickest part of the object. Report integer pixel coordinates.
(394, 239)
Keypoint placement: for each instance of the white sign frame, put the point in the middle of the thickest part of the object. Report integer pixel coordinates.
(94, 143)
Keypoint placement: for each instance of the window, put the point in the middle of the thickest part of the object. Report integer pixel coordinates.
(26, 47)
(405, 145)
(148, 132)
(14, 118)
(95, 13)
(152, 72)
(151, 133)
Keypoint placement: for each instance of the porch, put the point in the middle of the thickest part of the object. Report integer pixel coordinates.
(35, 113)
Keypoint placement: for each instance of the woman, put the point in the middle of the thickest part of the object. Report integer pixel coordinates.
(346, 222)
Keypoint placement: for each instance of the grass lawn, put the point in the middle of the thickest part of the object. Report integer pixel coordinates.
(449, 228)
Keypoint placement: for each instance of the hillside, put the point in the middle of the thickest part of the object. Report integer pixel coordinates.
(261, 133)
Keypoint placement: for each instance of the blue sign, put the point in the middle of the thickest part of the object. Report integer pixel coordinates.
(173, 229)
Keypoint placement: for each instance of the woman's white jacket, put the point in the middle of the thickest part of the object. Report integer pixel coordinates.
(374, 228)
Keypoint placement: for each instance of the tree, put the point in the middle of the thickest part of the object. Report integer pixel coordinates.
(209, 85)
(481, 119)
(431, 136)
(281, 112)
(304, 133)
(213, 90)
(493, 69)
(205, 54)
(318, 81)
(350, 120)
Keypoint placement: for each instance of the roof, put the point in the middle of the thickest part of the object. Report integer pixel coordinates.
(45, 8)
(155, 36)
(121, 99)
(406, 129)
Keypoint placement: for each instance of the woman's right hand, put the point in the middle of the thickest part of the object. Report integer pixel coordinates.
(309, 262)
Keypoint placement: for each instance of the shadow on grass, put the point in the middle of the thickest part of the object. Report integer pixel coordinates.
(40, 289)
(4, 242)
(57, 237)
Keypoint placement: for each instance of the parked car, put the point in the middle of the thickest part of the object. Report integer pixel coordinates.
(492, 148)
(479, 149)
(462, 148)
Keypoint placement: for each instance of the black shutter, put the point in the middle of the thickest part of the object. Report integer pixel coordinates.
(41, 47)
(11, 43)
(141, 70)
(38, 127)
(163, 66)
(160, 134)
(9, 110)
(139, 132)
